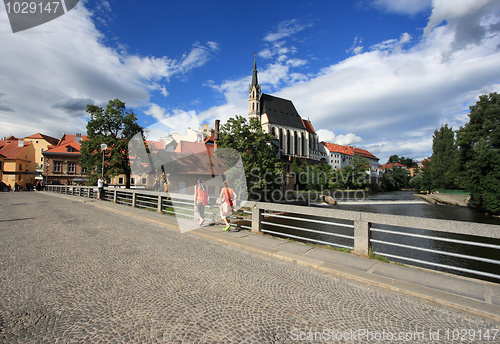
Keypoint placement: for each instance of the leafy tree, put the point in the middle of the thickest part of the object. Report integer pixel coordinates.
(396, 179)
(444, 168)
(263, 170)
(355, 176)
(113, 126)
(408, 162)
(479, 153)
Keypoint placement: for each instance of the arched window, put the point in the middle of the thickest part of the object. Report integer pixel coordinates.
(288, 142)
(296, 143)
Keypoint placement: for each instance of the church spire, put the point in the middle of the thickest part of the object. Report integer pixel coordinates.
(254, 93)
(255, 81)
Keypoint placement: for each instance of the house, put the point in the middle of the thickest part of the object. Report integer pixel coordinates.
(340, 156)
(41, 143)
(61, 161)
(17, 163)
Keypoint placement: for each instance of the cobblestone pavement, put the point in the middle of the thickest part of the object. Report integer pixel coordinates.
(73, 272)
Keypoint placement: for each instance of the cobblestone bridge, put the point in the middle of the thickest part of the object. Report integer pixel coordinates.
(72, 271)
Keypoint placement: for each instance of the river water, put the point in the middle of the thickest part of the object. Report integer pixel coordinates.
(420, 209)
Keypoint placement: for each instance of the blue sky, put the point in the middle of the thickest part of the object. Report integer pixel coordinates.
(377, 74)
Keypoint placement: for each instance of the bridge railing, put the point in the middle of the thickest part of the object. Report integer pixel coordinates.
(456, 246)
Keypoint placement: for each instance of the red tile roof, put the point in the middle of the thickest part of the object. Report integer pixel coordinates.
(364, 153)
(308, 125)
(332, 147)
(65, 142)
(191, 147)
(392, 165)
(49, 139)
(349, 150)
(12, 150)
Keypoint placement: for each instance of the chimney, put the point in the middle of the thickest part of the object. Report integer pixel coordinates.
(216, 130)
(78, 137)
(20, 143)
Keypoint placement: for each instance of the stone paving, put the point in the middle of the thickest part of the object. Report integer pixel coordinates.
(71, 272)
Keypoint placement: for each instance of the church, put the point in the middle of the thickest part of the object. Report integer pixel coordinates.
(295, 137)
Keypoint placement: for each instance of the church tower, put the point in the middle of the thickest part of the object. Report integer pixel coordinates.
(254, 94)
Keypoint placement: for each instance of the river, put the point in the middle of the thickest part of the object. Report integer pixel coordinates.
(418, 209)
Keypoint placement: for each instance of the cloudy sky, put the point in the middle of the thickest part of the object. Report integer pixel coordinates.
(377, 74)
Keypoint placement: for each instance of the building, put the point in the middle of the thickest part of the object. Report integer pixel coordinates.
(61, 162)
(41, 143)
(206, 130)
(17, 163)
(294, 136)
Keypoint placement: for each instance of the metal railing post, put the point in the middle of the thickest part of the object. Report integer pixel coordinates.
(257, 217)
(362, 237)
(134, 199)
(158, 208)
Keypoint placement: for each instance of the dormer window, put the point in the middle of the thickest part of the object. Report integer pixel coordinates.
(68, 149)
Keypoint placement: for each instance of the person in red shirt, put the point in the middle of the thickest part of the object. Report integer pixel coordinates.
(227, 197)
(200, 201)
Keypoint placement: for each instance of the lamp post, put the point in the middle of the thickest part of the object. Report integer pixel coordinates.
(46, 173)
(103, 148)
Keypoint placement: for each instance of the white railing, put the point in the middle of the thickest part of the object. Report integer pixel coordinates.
(418, 240)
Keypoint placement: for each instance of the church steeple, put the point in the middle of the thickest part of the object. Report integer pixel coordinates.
(254, 94)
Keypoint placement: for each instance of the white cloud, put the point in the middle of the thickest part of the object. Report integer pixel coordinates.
(177, 121)
(403, 6)
(49, 72)
(393, 96)
(470, 21)
(285, 29)
(347, 139)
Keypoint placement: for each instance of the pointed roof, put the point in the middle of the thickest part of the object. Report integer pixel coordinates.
(280, 111)
(349, 150)
(12, 151)
(308, 125)
(40, 136)
(255, 81)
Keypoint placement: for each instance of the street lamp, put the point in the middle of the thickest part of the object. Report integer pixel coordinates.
(103, 148)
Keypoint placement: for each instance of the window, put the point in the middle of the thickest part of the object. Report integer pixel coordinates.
(69, 149)
(41, 159)
(120, 180)
(144, 181)
(84, 170)
(36, 141)
(71, 167)
(57, 166)
(132, 180)
(20, 167)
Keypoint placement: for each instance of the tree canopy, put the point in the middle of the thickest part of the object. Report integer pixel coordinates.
(479, 153)
(113, 126)
(444, 168)
(263, 170)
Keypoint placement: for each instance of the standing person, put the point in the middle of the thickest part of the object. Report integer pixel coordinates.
(100, 188)
(227, 197)
(200, 201)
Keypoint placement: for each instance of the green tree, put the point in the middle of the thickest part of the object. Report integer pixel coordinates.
(408, 162)
(355, 176)
(444, 168)
(113, 126)
(479, 153)
(263, 170)
(395, 179)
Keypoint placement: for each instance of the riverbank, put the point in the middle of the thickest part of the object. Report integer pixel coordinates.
(451, 199)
